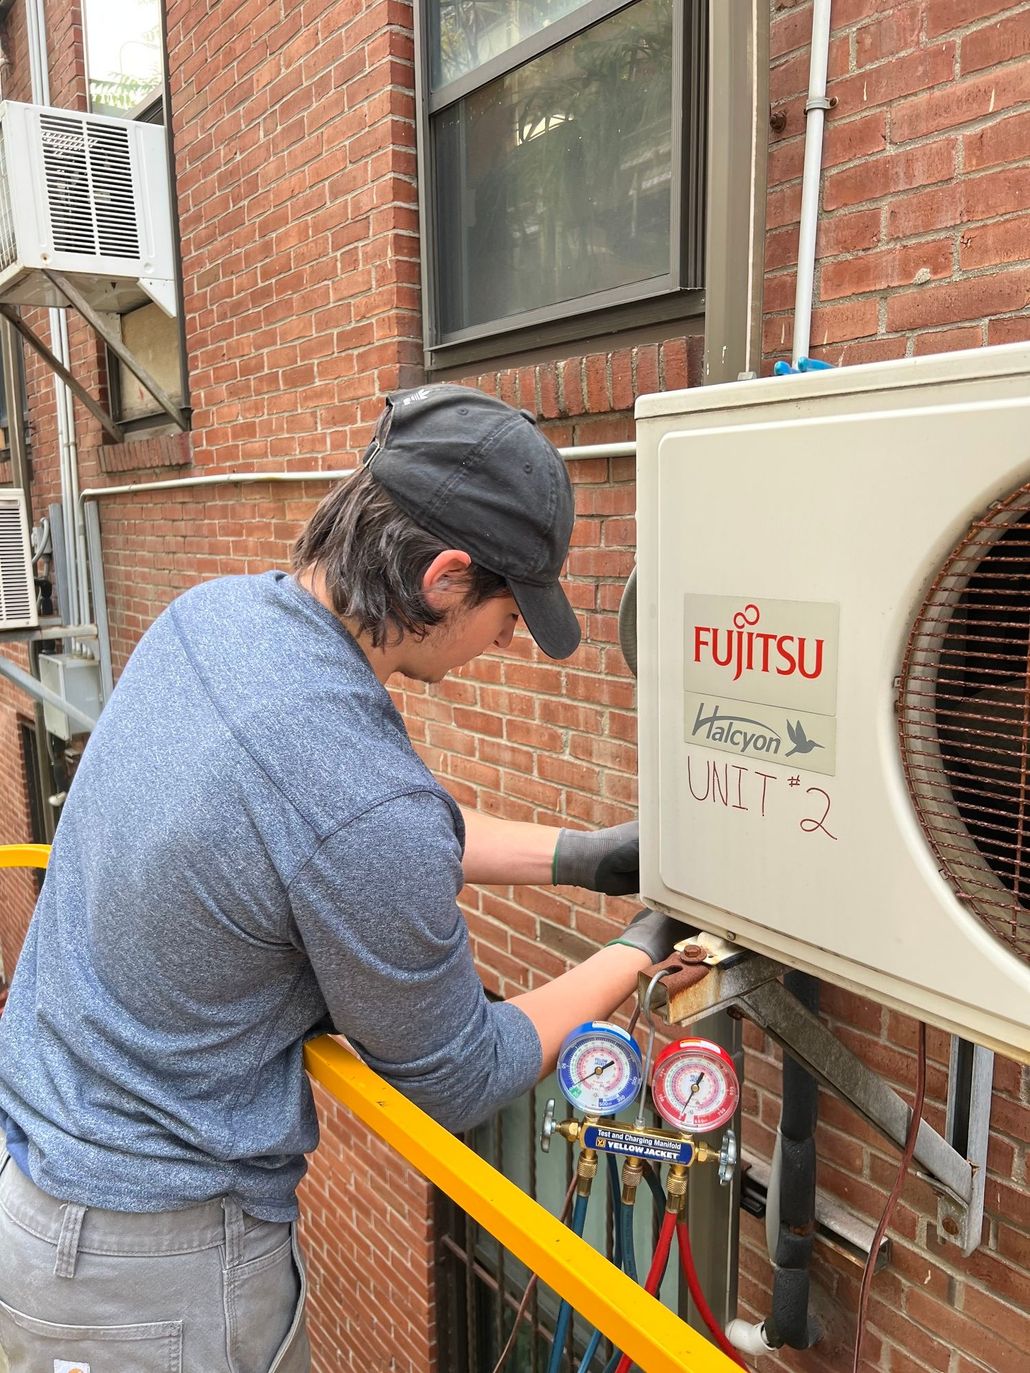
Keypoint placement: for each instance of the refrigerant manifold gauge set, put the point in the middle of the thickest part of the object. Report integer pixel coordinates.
(694, 1087)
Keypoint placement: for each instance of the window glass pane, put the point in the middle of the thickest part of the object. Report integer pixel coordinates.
(554, 181)
(123, 52)
(467, 33)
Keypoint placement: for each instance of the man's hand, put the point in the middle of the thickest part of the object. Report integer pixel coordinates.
(605, 860)
(654, 934)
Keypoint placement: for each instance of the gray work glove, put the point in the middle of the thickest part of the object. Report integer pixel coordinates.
(601, 860)
(654, 934)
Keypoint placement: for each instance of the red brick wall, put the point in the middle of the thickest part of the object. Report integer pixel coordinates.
(17, 886)
(294, 152)
(922, 242)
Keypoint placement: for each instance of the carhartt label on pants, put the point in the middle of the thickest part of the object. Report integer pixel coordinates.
(63, 1366)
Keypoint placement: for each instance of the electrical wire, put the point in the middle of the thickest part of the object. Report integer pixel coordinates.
(657, 1272)
(899, 1182)
(530, 1289)
(694, 1283)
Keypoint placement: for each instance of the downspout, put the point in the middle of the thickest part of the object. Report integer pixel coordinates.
(76, 607)
(815, 115)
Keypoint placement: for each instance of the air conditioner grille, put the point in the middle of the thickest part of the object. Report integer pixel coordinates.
(8, 242)
(16, 592)
(88, 172)
(964, 712)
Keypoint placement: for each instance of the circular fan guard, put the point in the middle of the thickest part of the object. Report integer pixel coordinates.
(964, 719)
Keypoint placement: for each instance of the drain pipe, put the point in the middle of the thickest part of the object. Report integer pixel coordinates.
(76, 593)
(815, 115)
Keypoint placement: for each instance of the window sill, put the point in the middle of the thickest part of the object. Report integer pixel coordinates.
(146, 453)
(585, 331)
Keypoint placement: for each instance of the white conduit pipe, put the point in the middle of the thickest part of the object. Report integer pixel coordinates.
(815, 114)
(93, 493)
(77, 591)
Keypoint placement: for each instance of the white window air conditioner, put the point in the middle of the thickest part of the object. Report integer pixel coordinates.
(834, 654)
(87, 196)
(17, 588)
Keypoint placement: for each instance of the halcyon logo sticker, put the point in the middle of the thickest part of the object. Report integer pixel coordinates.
(760, 679)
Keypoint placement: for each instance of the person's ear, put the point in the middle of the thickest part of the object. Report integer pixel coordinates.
(444, 576)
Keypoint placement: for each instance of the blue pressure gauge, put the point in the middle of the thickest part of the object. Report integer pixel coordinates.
(599, 1069)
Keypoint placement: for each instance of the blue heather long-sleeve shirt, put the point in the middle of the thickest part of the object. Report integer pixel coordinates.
(251, 853)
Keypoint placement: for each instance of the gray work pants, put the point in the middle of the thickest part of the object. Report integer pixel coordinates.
(205, 1290)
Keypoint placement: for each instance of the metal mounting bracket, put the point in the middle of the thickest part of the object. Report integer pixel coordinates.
(77, 389)
(117, 347)
(954, 1166)
(35, 688)
(75, 298)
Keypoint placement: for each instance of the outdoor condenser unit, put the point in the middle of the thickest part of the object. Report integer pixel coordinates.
(834, 677)
(87, 196)
(17, 588)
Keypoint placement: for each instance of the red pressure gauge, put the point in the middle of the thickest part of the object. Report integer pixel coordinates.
(695, 1086)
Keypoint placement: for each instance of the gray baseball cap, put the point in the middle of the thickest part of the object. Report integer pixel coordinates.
(480, 475)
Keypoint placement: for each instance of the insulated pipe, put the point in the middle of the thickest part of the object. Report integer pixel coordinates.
(815, 113)
(791, 1215)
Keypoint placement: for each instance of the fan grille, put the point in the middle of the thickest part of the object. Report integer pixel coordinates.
(87, 166)
(964, 719)
(16, 593)
(8, 244)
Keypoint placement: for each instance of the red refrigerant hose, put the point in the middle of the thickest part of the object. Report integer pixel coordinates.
(657, 1271)
(687, 1260)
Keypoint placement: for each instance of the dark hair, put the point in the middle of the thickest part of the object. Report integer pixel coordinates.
(373, 557)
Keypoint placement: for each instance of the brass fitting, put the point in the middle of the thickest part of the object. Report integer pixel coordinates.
(632, 1172)
(586, 1171)
(569, 1129)
(676, 1187)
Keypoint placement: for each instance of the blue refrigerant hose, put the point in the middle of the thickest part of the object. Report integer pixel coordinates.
(629, 1261)
(618, 1246)
(655, 1183)
(561, 1325)
(615, 1192)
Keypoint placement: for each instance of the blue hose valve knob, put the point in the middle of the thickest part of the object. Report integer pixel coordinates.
(548, 1128)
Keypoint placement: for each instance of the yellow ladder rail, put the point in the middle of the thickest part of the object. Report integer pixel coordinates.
(636, 1322)
(24, 855)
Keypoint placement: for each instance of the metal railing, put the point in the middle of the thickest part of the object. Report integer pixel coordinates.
(652, 1335)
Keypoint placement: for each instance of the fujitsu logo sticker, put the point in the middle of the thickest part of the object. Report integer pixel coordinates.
(746, 648)
(760, 678)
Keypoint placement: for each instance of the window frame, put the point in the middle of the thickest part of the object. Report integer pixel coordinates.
(149, 97)
(677, 293)
(154, 108)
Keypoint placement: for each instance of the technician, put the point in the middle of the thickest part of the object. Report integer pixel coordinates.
(252, 853)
